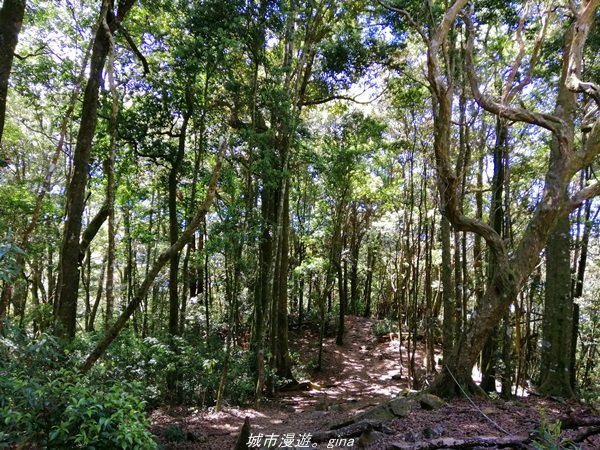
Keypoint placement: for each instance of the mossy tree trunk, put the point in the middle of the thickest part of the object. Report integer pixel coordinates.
(512, 269)
(68, 288)
(11, 20)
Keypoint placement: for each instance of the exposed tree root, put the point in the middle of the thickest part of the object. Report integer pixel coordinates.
(519, 442)
(351, 431)
(572, 422)
(242, 442)
(586, 434)
(446, 387)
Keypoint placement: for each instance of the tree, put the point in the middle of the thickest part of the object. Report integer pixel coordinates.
(68, 287)
(512, 268)
(161, 260)
(11, 20)
(309, 63)
(348, 143)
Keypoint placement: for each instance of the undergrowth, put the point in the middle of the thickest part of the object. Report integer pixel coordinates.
(46, 403)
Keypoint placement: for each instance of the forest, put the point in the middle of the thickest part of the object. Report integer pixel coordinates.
(220, 218)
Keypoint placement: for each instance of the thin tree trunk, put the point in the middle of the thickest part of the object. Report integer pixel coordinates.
(162, 259)
(369, 278)
(94, 310)
(109, 166)
(173, 219)
(447, 289)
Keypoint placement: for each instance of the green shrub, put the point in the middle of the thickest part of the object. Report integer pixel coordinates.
(189, 363)
(313, 317)
(174, 433)
(383, 327)
(45, 403)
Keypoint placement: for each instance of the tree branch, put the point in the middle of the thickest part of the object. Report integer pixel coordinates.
(584, 194)
(544, 120)
(320, 101)
(92, 230)
(38, 52)
(519, 442)
(539, 39)
(136, 51)
(447, 179)
(584, 19)
(407, 16)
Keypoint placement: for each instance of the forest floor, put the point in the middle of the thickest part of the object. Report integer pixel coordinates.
(358, 377)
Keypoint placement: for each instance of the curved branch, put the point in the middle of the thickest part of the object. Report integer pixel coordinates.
(407, 16)
(584, 194)
(92, 230)
(447, 179)
(136, 51)
(581, 29)
(320, 101)
(511, 90)
(548, 121)
(584, 20)
(448, 20)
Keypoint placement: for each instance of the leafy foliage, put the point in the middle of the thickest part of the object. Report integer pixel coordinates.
(45, 403)
(548, 436)
(198, 367)
(9, 266)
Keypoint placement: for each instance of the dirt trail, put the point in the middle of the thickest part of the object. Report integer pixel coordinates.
(356, 376)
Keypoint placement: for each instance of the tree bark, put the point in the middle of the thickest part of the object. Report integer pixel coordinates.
(369, 277)
(109, 167)
(11, 20)
(557, 323)
(512, 269)
(174, 221)
(489, 358)
(68, 288)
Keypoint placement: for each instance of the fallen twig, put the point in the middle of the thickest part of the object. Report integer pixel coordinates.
(573, 422)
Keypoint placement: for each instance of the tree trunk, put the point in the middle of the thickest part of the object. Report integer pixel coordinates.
(512, 269)
(109, 167)
(11, 20)
(283, 365)
(355, 240)
(447, 289)
(557, 326)
(262, 293)
(490, 354)
(173, 219)
(557, 322)
(68, 288)
(174, 329)
(92, 319)
(369, 277)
